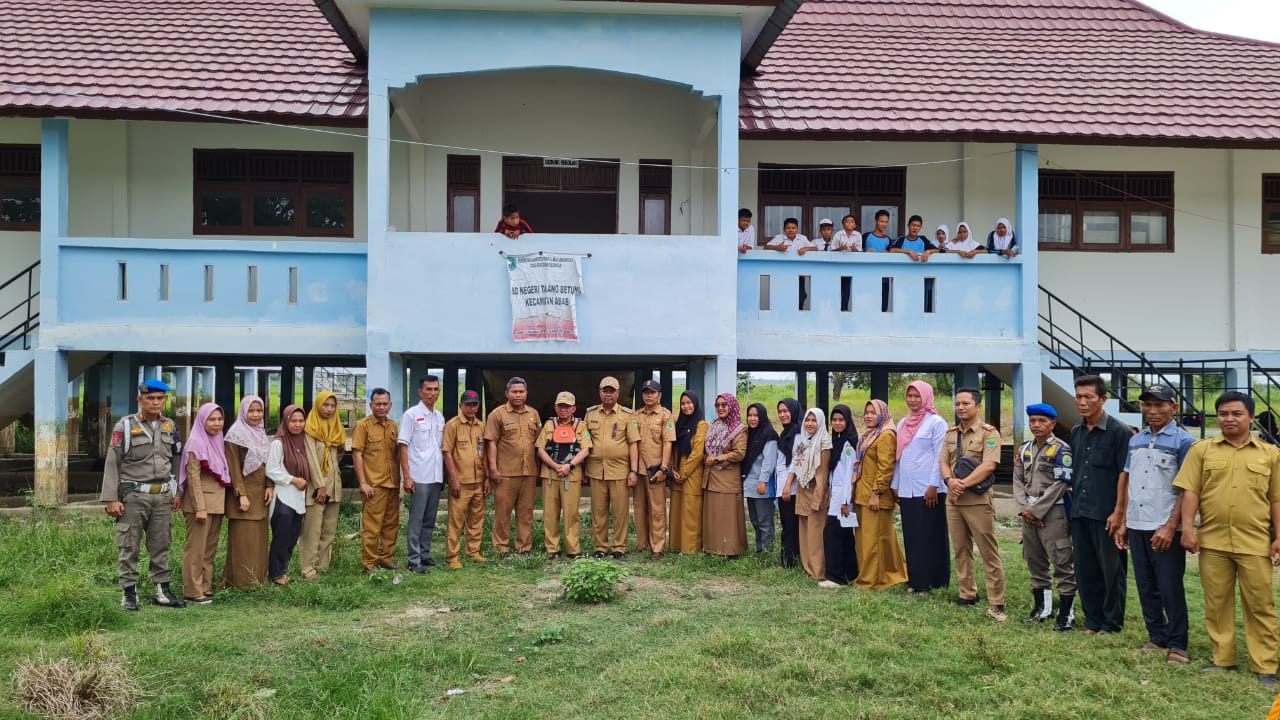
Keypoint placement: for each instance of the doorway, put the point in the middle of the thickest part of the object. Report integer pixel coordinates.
(556, 196)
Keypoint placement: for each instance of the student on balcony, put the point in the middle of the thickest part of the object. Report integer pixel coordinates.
(790, 239)
(848, 237)
(962, 244)
(1002, 241)
(511, 223)
(746, 232)
(878, 240)
(914, 244)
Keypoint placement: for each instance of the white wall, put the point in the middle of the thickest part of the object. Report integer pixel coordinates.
(548, 113)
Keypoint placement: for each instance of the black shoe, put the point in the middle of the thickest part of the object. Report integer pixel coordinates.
(1040, 609)
(1213, 669)
(1066, 613)
(553, 556)
(656, 556)
(962, 602)
(202, 600)
(573, 556)
(129, 602)
(418, 569)
(505, 556)
(165, 598)
(618, 556)
(599, 554)
(429, 562)
(524, 555)
(1268, 680)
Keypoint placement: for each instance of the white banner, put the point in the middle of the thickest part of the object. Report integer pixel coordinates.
(544, 296)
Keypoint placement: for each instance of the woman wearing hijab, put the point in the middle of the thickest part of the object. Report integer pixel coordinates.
(759, 485)
(918, 484)
(789, 416)
(808, 482)
(288, 469)
(250, 494)
(963, 243)
(202, 481)
(880, 563)
(1002, 241)
(724, 524)
(686, 491)
(837, 534)
(325, 440)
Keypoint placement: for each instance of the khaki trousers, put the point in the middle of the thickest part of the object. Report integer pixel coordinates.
(1050, 544)
(465, 511)
(971, 525)
(1219, 572)
(609, 502)
(812, 555)
(319, 526)
(557, 500)
(379, 526)
(513, 493)
(197, 557)
(650, 502)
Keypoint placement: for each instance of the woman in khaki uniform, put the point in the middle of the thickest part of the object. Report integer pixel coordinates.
(880, 561)
(250, 494)
(808, 481)
(686, 491)
(202, 483)
(326, 440)
(724, 517)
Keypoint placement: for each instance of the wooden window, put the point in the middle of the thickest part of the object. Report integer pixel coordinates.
(464, 193)
(19, 187)
(811, 194)
(1271, 213)
(1106, 211)
(655, 197)
(263, 192)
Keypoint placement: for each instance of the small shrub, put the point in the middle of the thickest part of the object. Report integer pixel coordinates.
(236, 701)
(86, 686)
(549, 634)
(590, 580)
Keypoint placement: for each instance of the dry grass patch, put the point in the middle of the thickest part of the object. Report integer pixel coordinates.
(89, 685)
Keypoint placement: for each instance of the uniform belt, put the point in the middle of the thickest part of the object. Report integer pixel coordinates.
(154, 488)
(1033, 499)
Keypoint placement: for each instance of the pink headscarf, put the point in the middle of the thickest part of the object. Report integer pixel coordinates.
(722, 432)
(207, 448)
(253, 438)
(911, 423)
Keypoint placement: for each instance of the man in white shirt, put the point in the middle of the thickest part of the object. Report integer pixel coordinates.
(847, 237)
(746, 231)
(422, 433)
(790, 239)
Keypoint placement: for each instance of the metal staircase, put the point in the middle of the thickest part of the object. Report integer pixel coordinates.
(19, 320)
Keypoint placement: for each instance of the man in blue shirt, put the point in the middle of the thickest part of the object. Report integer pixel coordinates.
(878, 240)
(914, 244)
(1152, 523)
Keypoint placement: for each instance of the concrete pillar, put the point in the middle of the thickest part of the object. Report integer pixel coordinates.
(183, 401)
(203, 390)
(640, 377)
(696, 380)
(449, 392)
(1027, 375)
(97, 409)
(966, 376)
(992, 386)
(288, 385)
(73, 415)
(667, 397)
(249, 383)
(51, 426)
(474, 379)
(308, 385)
(124, 386)
(263, 385)
(224, 391)
(823, 391)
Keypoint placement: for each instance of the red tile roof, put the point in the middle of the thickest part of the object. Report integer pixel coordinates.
(247, 58)
(1076, 70)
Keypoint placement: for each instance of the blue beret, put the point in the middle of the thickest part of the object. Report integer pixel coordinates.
(1044, 409)
(150, 386)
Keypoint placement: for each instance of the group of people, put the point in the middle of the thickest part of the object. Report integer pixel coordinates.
(1000, 241)
(1085, 504)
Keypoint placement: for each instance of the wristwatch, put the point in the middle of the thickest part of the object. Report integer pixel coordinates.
(666, 470)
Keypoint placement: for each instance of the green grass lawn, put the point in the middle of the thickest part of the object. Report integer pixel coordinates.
(691, 637)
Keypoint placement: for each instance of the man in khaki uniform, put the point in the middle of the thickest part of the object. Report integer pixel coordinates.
(612, 467)
(657, 430)
(1233, 480)
(971, 516)
(376, 454)
(510, 433)
(139, 491)
(1041, 485)
(562, 445)
(468, 484)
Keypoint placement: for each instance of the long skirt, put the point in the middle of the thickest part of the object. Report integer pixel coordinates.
(838, 546)
(246, 564)
(686, 520)
(924, 537)
(724, 523)
(880, 561)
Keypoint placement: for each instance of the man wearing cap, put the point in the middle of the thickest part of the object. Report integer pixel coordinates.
(1233, 480)
(464, 461)
(563, 446)
(510, 433)
(139, 489)
(612, 467)
(422, 470)
(656, 427)
(1151, 530)
(1041, 487)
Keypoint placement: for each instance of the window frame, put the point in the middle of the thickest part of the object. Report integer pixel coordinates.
(1124, 203)
(301, 189)
(655, 184)
(1269, 205)
(812, 198)
(20, 169)
(460, 184)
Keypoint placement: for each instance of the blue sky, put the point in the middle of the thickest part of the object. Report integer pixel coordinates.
(1250, 18)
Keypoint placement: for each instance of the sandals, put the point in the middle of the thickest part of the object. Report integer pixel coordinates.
(1149, 648)
(1177, 657)
(281, 581)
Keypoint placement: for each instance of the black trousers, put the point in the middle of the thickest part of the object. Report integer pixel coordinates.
(1158, 576)
(1102, 572)
(790, 531)
(926, 542)
(837, 546)
(286, 526)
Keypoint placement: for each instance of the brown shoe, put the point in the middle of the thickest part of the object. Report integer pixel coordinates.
(388, 565)
(370, 570)
(656, 556)
(478, 558)
(455, 564)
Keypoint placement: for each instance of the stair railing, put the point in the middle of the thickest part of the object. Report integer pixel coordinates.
(24, 313)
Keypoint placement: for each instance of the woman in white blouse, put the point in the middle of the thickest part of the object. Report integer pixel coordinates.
(287, 467)
(922, 494)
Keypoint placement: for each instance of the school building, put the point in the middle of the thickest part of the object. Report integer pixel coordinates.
(232, 191)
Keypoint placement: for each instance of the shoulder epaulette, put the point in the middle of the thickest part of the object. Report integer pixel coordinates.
(626, 410)
(593, 407)
(989, 428)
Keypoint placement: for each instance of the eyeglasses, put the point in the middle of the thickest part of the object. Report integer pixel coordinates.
(722, 404)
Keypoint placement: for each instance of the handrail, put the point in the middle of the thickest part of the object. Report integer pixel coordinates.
(31, 320)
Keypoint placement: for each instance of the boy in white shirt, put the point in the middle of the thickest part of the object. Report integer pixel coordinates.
(746, 233)
(847, 237)
(791, 239)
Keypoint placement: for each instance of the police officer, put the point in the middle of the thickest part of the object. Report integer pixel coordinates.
(1041, 488)
(139, 488)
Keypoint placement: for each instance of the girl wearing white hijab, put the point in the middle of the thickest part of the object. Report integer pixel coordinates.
(1002, 240)
(807, 480)
(963, 243)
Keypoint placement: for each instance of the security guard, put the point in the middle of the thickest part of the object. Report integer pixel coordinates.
(1041, 489)
(612, 467)
(657, 430)
(139, 488)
